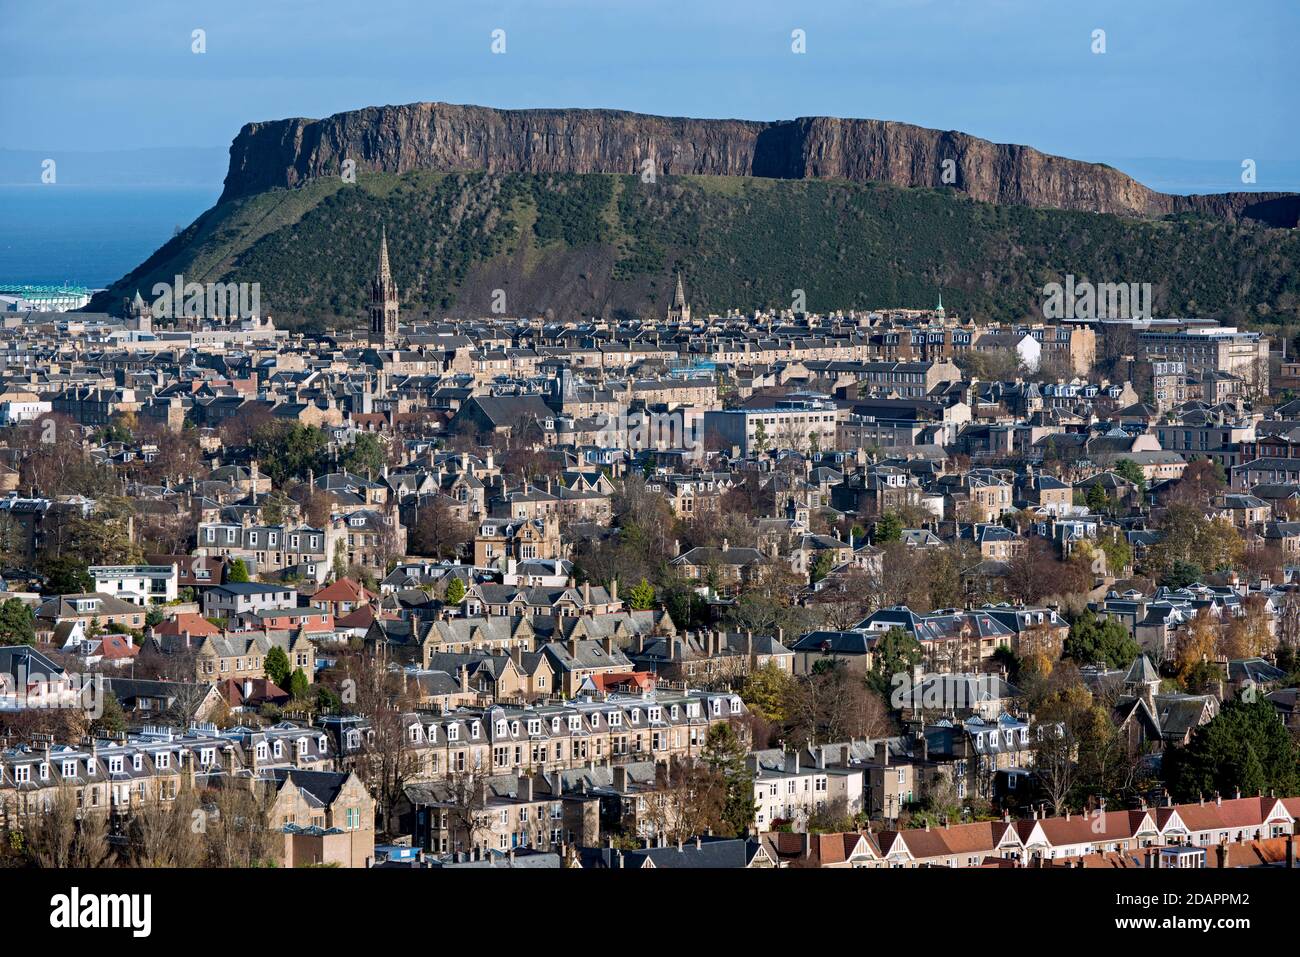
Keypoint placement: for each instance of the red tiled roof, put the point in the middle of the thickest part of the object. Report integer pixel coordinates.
(196, 625)
(345, 589)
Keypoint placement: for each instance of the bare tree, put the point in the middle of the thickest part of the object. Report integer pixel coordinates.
(689, 799)
(467, 806)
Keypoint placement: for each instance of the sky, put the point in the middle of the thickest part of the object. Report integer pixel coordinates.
(1198, 81)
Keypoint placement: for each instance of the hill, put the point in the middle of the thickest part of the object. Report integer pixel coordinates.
(569, 244)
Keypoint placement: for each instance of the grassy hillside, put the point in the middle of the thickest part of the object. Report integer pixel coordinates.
(599, 244)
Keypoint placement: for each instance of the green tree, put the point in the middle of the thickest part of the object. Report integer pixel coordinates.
(112, 718)
(896, 652)
(65, 575)
(455, 592)
(888, 529)
(760, 437)
(822, 567)
(1093, 640)
(299, 687)
(767, 691)
(642, 596)
(1182, 573)
(365, 455)
(1097, 499)
(724, 753)
(17, 625)
(237, 572)
(1130, 470)
(1245, 747)
(277, 666)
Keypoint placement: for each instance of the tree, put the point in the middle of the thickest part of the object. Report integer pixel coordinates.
(299, 687)
(65, 574)
(724, 753)
(237, 572)
(17, 625)
(1196, 643)
(278, 668)
(642, 596)
(1094, 641)
(65, 836)
(364, 456)
(690, 798)
(112, 718)
(1097, 499)
(896, 653)
(888, 529)
(455, 592)
(438, 532)
(834, 704)
(767, 691)
(1131, 471)
(1245, 748)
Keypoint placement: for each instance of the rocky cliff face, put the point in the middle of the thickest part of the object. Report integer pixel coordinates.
(445, 137)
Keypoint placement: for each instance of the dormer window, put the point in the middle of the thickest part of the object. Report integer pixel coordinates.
(353, 740)
(501, 729)
(279, 749)
(162, 760)
(475, 729)
(261, 751)
(302, 747)
(415, 733)
(137, 762)
(615, 719)
(321, 744)
(453, 732)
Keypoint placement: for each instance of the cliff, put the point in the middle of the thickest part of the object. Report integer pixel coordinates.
(444, 137)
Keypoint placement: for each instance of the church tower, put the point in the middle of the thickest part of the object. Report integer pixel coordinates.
(679, 311)
(383, 301)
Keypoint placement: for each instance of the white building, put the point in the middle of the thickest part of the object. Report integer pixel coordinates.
(138, 584)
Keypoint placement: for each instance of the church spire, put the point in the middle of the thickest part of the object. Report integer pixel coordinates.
(679, 311)
(384, 272)
(383, 300)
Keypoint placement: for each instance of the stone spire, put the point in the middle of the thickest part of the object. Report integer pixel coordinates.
(383, 300)
(679, 311)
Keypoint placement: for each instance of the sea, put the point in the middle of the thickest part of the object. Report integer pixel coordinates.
(90, 235)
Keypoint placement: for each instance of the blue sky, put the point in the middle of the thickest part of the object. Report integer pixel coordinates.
(1193, 81)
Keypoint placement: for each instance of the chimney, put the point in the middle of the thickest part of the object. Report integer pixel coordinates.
(620, 778)
(464, 679)
(586, 593)
(608, 644)
(525, 791)
(882, 752)
(613, 591)
(573, 647)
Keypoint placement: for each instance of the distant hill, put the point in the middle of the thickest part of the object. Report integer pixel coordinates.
(568, 245)
(445, 137)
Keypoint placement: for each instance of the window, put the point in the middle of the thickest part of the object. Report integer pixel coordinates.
(22, 773)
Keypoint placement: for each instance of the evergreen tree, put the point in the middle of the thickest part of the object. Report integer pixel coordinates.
(725, 755)
(17, 625)
(299, 686)
(1245, 748)
(277, 666)
(237, 572)
(642, 596)
(888, 529)
(1094, 641)
(455, 592)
